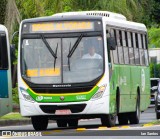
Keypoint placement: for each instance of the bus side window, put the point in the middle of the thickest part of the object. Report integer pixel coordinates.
(130, 45)
(120, 48)
(114, 52)
(3, 52)
(125, 47)
(141, 49)
(145, 49)
(136, 48)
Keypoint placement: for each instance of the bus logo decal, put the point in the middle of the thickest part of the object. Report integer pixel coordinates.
(61, 97)
(39, 98)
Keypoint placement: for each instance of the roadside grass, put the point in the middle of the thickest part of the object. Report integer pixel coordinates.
(13, 116)
(156, 122)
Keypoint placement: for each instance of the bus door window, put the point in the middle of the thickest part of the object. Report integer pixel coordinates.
(3, 52)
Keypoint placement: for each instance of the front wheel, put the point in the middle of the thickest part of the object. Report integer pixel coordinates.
(108, 120)
(123, 118)
(39, 122)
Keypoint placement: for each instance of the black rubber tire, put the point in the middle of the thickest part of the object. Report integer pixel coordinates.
(62, 123)
(73, 123)
(108, 120)
(123, 118)
(157, 115)
(39, 122)
(135, 116)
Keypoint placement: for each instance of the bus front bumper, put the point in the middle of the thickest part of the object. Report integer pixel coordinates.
(91, 107)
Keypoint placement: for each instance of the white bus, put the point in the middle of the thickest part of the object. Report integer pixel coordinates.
(83, 65)
(5, 73)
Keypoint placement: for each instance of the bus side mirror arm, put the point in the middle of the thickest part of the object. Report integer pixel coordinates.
(111, 42)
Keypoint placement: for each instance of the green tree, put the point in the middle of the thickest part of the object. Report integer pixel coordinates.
(12, 16)
(2, 11)
(154, 37)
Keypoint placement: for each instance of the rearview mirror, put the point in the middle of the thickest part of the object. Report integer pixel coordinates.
(111, 42)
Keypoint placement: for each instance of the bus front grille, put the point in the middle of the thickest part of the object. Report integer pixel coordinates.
(74, 108)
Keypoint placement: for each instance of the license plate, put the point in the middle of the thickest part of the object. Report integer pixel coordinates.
(63, 112)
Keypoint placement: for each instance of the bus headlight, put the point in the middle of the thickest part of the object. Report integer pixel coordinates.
(26, 96)
(99, 93)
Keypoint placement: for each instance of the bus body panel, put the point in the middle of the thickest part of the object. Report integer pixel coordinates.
(5, 80)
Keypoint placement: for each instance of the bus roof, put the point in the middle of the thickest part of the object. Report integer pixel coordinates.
(110, 18)
(3, 28)
(127, 25)
(62, 18)
(94, 13)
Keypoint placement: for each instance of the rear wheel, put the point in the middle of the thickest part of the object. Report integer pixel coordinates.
(123, 119)
(62, 123)
(39, 122)
(135, 116)
(108, 120)
(73, 122)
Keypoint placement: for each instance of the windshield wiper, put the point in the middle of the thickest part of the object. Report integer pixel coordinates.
(50, 49)
(71, 51)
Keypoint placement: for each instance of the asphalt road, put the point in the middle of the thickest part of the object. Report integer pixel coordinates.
(92, 127)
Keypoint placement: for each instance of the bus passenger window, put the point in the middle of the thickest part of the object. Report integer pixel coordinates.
(141, 50)
(115, 52)
(120, 48)
(3, 52)
(145, 50)
(125, 47)
(136, 50)
(130, 46)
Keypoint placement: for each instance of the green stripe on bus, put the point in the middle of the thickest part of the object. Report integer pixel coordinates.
(51, 98)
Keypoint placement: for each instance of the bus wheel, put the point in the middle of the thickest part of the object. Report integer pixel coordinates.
(39, 122)
(62, 123)
(123, 119)
(108, 120)
(135, 116)
(73, 122)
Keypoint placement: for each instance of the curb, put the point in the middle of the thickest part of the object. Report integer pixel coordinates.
(15, 122)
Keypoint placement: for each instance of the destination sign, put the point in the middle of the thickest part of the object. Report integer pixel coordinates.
(62, 26)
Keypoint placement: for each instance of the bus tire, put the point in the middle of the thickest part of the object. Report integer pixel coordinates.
(135, 116)
(123, 119)
(109, 120)
(73, 122)
(39, 122)
(62, 123)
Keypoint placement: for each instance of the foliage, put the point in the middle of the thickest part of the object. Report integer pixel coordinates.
(12, 116)
(2, 11)
(154, 37)
(15, 95)
(156, 11)
(12, 16)
(154, 70)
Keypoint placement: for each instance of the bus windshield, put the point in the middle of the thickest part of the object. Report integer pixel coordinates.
(77, 60)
